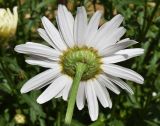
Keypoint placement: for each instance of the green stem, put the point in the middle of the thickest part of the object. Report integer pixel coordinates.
(80, 68)
(59, 119)
(150, 20)
(7, 76)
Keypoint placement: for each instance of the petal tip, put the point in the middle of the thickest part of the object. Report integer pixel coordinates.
(142, 81)
(135, 42)
(118, 92)
(120, 16)
(80, 107)
(94, 118)
(110, 106)
(131, 93)
(39, 29)
(17, 48)
(23, 90)
(40, 100)
(64, 98)
(44, 18)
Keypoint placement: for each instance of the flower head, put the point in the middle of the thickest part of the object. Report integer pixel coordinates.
(20, 118)
(79, 41)
(8, 22)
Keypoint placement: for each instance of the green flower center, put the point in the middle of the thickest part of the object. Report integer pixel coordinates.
(86, 55)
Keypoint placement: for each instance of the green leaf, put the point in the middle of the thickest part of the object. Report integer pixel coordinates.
(116, 123)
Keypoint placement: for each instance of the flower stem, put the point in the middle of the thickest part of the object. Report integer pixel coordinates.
(80, 68)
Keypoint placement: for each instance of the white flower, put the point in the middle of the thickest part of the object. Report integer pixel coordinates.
(81, 41)
(154, 94)
(8, 22)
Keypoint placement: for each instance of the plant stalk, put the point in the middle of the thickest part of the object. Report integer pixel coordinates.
(80, 68)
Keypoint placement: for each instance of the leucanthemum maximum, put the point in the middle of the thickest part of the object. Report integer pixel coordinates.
(80, 45)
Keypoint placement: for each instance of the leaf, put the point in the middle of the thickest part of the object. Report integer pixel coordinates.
(76, 123)
(42, 122)
(151, 123)
(44, 3)
(6, 88)
(33, 115)
(32, 103)
(116, 123)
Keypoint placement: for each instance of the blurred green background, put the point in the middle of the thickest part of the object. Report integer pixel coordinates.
(142, 21)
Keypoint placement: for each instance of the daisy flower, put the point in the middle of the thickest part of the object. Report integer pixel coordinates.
(81, 52)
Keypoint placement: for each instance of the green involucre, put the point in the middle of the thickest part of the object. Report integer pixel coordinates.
(88, 56)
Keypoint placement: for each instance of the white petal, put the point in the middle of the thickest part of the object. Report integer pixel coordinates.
(41, 62)
(114, 58)
(38, 49)
(80, 26)
(111, 39)
(35, 57)
(107, 83)
(37, 44)
(123, 55)
(67, 88)
(124, 40)
(107, 95)
(121, 84)
(42, 86)
(107, 29)
(53, 34)
(59, 94)
(100, 94)
(45, 36)
(66, 22)
(56, 87)
(131, 52)
(40, 79)
(122, 72)
(91, 100)
(92, 27)
(116, 47)
(80, 99)
(112, 24)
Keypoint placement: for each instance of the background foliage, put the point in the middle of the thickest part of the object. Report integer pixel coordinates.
(142, 21)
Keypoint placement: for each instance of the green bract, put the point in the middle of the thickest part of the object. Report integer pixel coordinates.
(86, 55)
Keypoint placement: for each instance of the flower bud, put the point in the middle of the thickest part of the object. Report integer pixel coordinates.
(8, 22)
(20, 119)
